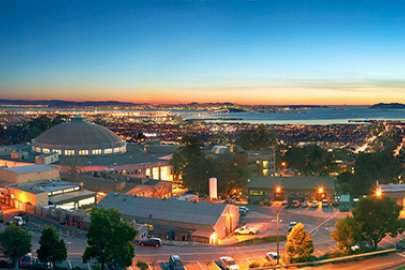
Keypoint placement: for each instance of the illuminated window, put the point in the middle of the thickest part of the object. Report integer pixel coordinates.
(45, 150)
(83, 152)
(59, 152)
(87, 201)
(256, 192)
(69, 152)
(37, 149)
(108, 151)
(96, 152)
(265, 164)
(117, 150)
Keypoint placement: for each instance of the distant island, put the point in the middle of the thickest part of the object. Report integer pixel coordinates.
(388, 106)
(64, 103)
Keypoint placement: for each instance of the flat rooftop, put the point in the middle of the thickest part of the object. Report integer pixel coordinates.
(393, 188)
(29, 168)
(172, 210)
(44, 186)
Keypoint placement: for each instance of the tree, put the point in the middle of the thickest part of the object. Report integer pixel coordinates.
(299, 246)
(345, 183)
(372, 167)
(309, 160)
(16, 242)
(230, 175)
(346, 234)
(52, 249)
(109, 238)
(256, 139)
(142, 265)
(377, 217)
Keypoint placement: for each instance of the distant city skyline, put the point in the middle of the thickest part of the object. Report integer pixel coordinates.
(166, 52)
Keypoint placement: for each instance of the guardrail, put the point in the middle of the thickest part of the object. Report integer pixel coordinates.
(332, 260)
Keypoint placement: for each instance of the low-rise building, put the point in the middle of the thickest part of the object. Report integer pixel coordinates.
(274, 187)
(176, 219)
(61, 194)
(30, 173)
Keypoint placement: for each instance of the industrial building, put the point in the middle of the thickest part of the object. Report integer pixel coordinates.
(40, 185)
(177, 219)
(262, 188)
(30, 173)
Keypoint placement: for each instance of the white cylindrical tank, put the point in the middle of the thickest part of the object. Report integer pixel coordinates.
(213, 188)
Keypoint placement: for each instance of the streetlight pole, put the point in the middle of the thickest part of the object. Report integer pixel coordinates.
(278, 244)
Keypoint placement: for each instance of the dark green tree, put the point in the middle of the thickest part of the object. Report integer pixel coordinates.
(256, 139)
(52, 249)
(372, 167)
(109, 238)
(229, 174)
(376, 218)
(345, 183)
(346, 234)
(16, 242)
(309, 160)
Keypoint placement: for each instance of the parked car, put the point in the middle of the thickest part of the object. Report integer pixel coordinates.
(19, 220)
(151, 242)
(325, 203)
(295, 203)
(291, 225)
(175, 263)
(305, 204)
(244, 208)
(272, 256)
(26, 260)
(228, 263)
(245, 230)
(314, 204)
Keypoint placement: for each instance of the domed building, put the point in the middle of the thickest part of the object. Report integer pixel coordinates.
(88, 148)
(78, 137)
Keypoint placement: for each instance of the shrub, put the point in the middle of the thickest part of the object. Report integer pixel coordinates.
(142, 265)
(254, 265)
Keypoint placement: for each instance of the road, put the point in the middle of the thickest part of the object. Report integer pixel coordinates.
(199, 256)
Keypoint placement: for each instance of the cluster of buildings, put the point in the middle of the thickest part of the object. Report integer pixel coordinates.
(78, 164)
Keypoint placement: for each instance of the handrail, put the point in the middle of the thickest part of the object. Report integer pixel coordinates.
(338, 259)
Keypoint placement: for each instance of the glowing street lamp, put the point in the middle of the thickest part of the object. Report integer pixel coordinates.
(378, 192)
(320, 190)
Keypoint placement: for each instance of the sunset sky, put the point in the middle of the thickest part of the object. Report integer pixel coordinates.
(242, 51)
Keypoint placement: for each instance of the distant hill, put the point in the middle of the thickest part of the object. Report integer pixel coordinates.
(64, 103)
(388, 106)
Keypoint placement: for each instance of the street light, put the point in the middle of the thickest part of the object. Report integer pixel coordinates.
(278, 192)
(378, 193)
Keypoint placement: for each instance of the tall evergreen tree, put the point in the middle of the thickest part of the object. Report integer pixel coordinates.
(52, 249)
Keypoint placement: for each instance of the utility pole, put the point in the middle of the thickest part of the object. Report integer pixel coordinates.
(278, 244)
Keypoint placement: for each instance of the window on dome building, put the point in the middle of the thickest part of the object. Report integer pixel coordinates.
(59, 152)
(83, 152)
(45, 150)
(117, 150)
(69, 152)
(108, 151)
(96, 152)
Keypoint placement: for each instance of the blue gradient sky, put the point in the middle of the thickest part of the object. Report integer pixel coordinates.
(263, 51)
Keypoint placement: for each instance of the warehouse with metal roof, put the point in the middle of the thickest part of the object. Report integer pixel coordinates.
(175, 219)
